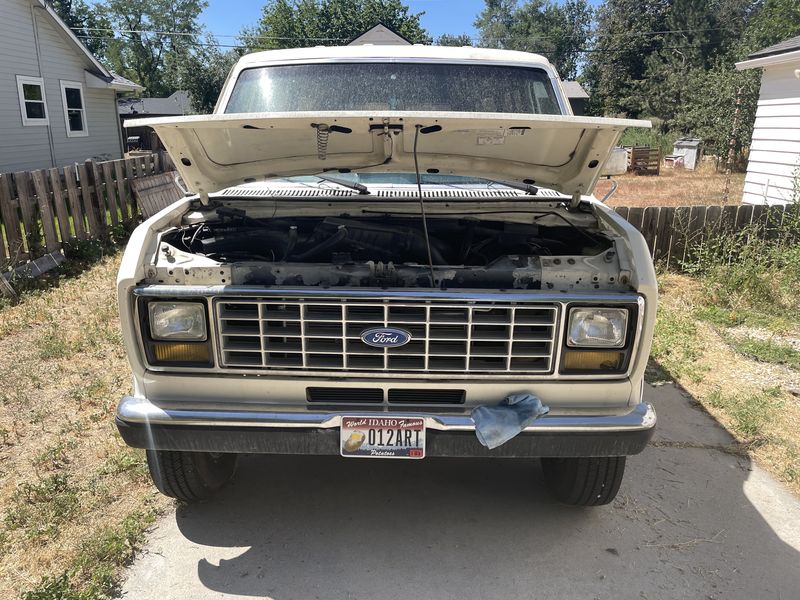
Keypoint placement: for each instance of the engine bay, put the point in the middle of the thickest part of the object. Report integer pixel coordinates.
(389, 250)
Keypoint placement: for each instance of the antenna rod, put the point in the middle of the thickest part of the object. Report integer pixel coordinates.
(422, 208)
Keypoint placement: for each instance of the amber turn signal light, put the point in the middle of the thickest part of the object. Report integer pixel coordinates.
(593, 360)
(176, 352)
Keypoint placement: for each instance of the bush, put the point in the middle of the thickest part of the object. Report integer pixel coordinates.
(755, 267)
(654, 138)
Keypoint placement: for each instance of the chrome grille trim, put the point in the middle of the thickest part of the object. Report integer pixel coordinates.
(318, 334)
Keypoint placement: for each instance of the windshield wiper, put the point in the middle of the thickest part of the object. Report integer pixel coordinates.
(353, 185)
(531, 190)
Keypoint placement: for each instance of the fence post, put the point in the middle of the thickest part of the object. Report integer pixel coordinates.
(78, 215)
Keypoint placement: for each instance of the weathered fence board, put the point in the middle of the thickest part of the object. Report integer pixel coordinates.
(88, 202)
(61, 207)
(121, 191)
(10, 216)
(78, 216)
(156, 193)
(42, 210)
(51, 241)
(111, 193)
(22, 181)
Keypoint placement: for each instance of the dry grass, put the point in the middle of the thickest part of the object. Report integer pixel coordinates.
(674, 187)
(750, 397)
(65, 475)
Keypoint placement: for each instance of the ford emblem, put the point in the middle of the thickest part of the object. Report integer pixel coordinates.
(385, 337)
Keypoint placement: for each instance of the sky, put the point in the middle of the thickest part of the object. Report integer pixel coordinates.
(227, 17)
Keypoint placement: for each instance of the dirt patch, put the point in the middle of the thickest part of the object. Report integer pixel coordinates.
(65, 475)
(674, 187)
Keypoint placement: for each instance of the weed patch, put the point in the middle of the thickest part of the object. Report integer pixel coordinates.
(94, 574)
(749, 413)
(675, 345)
(40, 507)
(765, 351)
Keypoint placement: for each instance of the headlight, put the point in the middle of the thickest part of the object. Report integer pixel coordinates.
(597, 327)
(177, 321)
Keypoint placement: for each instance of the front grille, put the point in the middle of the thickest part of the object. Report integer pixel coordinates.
(458, 337)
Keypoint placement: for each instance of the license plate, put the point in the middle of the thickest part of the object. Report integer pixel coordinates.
(383, 437)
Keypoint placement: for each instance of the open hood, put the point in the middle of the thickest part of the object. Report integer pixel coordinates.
(565, 153)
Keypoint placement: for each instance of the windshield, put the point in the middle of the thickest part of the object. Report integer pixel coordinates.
(394, 86)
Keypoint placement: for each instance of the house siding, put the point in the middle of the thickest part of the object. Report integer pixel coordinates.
(774, 162)
(25, 148)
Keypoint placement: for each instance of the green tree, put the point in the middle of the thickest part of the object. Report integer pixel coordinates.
(686, 45)
(625, 38)
(153, 38)
(496, 22)
(710, 112)
(301, 23)
(559, 31)
(89, 26)
(447, 39)
(772, 22)
(203, 73)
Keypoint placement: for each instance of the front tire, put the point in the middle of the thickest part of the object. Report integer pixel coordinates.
(584, 481)
(190, 476)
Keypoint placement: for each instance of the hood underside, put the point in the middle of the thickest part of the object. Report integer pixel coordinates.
(565, 153)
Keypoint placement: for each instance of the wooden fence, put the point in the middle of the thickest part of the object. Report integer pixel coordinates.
(41, 211)
(672, 231)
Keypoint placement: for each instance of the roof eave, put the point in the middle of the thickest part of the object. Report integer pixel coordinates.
(768, 61)
(125, 87)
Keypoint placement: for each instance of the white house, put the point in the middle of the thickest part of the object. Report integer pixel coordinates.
(58, 103)
(774, 167)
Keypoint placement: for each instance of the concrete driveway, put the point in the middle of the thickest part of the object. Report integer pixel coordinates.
(692, 521)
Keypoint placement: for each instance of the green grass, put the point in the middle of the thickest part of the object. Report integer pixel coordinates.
(39, 508)
(675, 345)
(55, 457)
(749, 413)
(94, 575)
(765, 351)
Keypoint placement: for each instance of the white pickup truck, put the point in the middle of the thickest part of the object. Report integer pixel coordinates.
(379, 241)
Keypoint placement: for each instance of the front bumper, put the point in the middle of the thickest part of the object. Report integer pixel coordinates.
(571, 433)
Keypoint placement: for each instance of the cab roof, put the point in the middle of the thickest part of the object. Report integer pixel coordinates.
(390, 52)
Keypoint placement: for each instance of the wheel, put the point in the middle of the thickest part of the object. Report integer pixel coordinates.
(190, 476)
(584, 481)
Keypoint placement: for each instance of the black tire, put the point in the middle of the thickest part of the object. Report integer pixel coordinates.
(584, 481)
(190, 476)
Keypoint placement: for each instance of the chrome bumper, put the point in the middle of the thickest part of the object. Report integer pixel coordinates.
(566, 433)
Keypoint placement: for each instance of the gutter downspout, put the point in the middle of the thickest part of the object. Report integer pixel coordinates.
(119, 124)
(41, 74)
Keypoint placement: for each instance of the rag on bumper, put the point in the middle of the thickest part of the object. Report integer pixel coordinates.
(495, 425)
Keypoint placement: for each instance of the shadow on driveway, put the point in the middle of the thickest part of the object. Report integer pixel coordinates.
(691, 521)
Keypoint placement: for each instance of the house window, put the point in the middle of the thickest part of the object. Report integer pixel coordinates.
(74, 108)
(31, 100)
